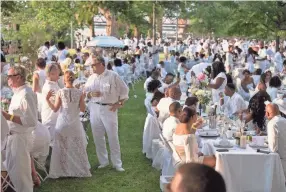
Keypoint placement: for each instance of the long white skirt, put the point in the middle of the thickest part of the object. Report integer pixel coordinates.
(69, 157)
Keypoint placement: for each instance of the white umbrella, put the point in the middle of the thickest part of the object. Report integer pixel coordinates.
(105, 41)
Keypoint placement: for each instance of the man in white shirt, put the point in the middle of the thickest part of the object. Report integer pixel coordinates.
(22, 119)
(174, 94)
(107, 93)
(263, 57)
(168, 82)
(235, 103)
(276, 129)
(278, 61)
(171, 122)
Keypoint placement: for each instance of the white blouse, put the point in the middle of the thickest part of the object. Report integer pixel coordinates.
(215, 92)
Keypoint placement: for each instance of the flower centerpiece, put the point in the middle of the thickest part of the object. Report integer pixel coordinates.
(6, 96)
(204, 96)
(203, 80)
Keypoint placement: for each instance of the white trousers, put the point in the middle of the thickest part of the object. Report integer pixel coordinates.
(105, 121)
(18, 162)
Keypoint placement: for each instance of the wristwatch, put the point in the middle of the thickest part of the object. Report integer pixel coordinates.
(120, 103)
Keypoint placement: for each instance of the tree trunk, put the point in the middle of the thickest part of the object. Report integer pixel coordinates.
(136, 32)
(111, 23)
(277, 42)
(91, 29)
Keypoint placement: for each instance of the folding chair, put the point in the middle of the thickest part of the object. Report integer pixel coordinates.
(42, 168)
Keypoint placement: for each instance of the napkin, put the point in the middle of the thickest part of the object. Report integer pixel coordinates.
(224, 142)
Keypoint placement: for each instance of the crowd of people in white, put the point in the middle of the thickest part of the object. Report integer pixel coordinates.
(243, 75)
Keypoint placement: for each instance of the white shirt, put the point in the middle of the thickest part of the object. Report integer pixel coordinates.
(4, 131)
(276, 130)
(169, 127)
(234, 104)
(48, 115)
(197, 69)
(163, 107)
(215, 92)
(272, 91)
(278, 62)
(147, 81)
(52, 51)
(163, 73)
(111, 86)
(24, 105)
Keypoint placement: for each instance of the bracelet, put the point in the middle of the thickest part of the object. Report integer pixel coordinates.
(11, 117)
(193, 127)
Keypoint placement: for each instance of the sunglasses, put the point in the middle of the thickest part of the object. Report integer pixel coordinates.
(9, 76)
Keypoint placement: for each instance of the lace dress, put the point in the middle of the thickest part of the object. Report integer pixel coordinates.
(69, 157)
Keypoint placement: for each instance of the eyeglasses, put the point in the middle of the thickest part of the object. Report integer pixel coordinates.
(9, 76)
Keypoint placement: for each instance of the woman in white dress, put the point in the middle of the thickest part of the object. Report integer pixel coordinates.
(219, 80)
(250, 60)
(49, 117)
(69, 157)
(247, 85)
(274, 85)
(186, 129)
(39, 78)
(182, 67)
(229, 59)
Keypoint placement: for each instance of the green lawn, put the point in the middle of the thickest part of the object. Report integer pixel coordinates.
(139, 175)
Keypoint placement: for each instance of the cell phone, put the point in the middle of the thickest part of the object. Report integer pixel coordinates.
(178, 75)
(222, 150)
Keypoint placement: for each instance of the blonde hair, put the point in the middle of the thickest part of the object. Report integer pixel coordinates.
(20, 71)
(50, 68)
(65, 64)
(70, 76)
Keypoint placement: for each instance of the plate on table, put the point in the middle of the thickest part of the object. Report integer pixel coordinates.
(208, 134)
(223, 146)
(254, 145)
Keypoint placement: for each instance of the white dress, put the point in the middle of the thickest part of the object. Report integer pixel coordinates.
(49, 117)
(272, 91)
(250, 63)
(69, 157)
(215, 92)
(42, 78)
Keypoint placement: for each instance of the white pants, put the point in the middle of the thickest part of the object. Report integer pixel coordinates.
(18, 162)
(103, 120)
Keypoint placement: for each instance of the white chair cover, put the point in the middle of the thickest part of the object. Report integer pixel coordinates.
(151, 131)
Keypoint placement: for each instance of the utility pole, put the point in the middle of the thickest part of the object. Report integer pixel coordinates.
(154, 23)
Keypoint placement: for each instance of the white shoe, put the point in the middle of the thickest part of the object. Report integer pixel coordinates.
(119, 169)
(102, 166)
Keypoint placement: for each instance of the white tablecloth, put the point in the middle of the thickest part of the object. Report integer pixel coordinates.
(245, 170)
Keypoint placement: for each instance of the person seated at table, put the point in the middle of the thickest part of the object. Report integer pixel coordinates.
(168, 82)
(157, 96)
(274, 85)
(154, 76)
(174, 94)
(172, 121)
(151, 89)
(266, 77)
(118, 68)
(254, 116)
(192, 177)
(256, 76)
(235, 103)
(186, 130)
(281, 102)
(276, 132)
(191, 102)
(247, 84)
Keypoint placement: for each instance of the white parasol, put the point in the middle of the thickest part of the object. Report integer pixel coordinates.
(105, 41)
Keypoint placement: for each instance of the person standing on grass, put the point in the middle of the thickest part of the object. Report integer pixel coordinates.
(107, 93)
(69, 157)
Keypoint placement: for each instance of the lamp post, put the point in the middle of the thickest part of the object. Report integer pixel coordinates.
(177, 24)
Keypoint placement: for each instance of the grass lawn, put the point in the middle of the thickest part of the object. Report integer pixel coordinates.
(139, 175)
